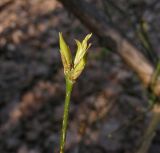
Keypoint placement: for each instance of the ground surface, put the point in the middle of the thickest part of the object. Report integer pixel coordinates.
(106, 101)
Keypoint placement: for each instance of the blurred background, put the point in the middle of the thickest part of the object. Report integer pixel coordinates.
(108, 100)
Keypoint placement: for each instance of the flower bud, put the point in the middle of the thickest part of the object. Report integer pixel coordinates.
(65, 54)
(79, 68)
(82, 49)
(73, 70)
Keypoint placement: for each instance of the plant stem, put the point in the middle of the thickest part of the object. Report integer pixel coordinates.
(150, 131)
(69, 86)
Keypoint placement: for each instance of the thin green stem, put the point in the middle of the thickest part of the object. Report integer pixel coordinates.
(156, 74)
(69, 86)
(152, 96)
(150, 131)
(144, 38)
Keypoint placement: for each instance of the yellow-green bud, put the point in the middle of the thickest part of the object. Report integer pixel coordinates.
(65, 54)
(79, 68)
(73, 70)
(82, 49)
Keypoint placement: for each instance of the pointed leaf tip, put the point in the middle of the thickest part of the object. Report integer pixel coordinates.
(82, 49)
(65, 53)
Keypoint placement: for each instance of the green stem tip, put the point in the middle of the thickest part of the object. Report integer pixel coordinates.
(69, 86)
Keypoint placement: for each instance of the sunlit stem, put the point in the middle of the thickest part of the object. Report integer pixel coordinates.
(69, 86)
